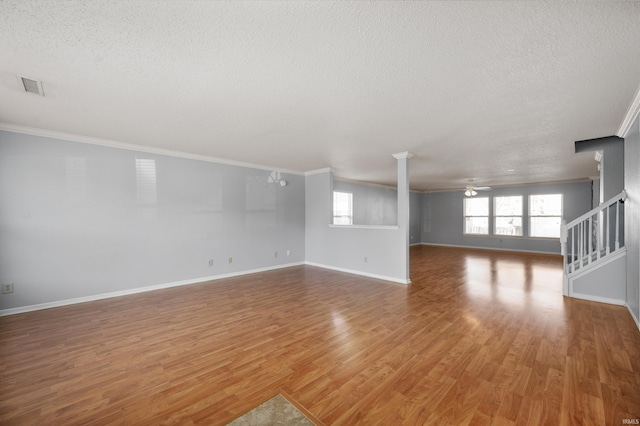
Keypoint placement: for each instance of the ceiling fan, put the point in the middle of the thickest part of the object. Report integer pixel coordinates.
(472, 191)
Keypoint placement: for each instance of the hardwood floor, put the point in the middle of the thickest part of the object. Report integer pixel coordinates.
(480, 337)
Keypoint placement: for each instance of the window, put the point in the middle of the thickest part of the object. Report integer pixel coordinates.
(476, 216)
(545, 215)
(342, 208)
(508, 215)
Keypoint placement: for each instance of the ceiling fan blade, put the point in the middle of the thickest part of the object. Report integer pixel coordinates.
(482, 188)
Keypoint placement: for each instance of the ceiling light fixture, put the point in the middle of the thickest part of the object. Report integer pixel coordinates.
(472, 191)
(275, 177)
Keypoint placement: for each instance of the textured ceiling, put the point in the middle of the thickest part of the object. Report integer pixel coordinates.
(492, 91)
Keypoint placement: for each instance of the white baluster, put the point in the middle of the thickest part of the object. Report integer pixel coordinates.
(617, 225)
(573, 248)
(590, 240)
(608, 232)
(597, 236)
(581, 244)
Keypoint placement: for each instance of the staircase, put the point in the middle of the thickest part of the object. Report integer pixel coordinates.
(594, 254)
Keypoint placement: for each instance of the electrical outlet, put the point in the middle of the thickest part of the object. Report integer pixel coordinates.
(288, 252)
(210, 262)
(366, 260)
(231, 260)
(275, 254)
(7, 288)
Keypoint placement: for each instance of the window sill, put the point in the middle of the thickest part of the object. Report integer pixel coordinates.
(387, 227)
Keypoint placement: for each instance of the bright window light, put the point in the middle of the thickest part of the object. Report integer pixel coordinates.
(342, 208)
(476, 216)
(508, 215)
(545, 215)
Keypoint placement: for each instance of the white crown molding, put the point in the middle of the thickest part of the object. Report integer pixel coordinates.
(630, 116)
(365, 183)
(515, 185)
(318, 171)
(133, 147)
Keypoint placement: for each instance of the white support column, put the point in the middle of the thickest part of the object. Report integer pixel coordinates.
(403, 206)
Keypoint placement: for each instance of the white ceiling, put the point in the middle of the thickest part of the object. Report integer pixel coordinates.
(473, 89)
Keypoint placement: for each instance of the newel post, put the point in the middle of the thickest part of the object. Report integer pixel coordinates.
(563, 238)
(563, 250)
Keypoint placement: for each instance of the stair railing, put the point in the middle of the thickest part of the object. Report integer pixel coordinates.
(594, 235)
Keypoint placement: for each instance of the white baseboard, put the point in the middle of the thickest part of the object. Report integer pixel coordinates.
(490, 248)
(364, 274)
(58, 303)
(600, 299)
(635, 319)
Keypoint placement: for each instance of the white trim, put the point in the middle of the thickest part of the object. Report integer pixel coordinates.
(511, 185)
(571, 278)
(364, 183)
(386, 227)
(600, 299)
(491, 248)
(402, 155)
(603, 261)
(133, 147)
(58, 303)
(377, 185)
(637, 321)
(604, 205)
(630, 117)
(364, 274)
(318, 171)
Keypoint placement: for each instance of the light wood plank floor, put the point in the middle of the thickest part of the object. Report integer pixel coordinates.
(480, 337)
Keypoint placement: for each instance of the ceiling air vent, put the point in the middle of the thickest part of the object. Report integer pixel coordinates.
(32, 86)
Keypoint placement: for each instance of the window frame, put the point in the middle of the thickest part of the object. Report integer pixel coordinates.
(465, 216)
(497, 216)
(531, 215)
(349, 216)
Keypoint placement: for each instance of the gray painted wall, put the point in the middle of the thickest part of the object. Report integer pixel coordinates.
(378, 205)
(346, 247)
(74, 223)
(372, 205)
(603, 284)
(443, 217)
(415, 217)
(632, 218)
(612, 172)
(612, 176)
(595, 191)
